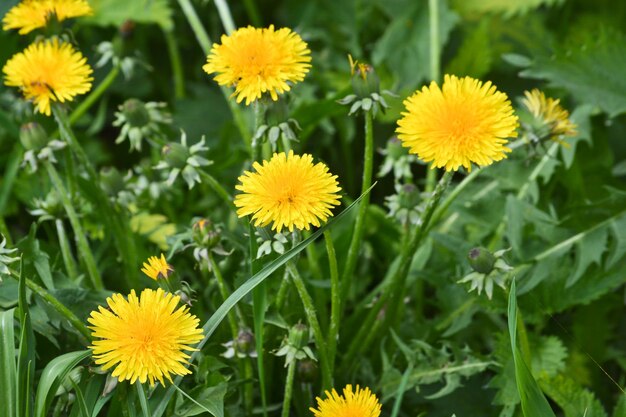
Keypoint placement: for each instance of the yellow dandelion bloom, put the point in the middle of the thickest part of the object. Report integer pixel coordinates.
(32, 14)
(289, 191)
(144, 338)
(48, 71)
(462, 122)
(257, 61)
(361, 403)
(550, 112)
(157, 268)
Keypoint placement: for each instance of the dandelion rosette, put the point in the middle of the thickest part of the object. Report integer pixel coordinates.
(258, 61)
(33, 14)
(462, 122)
(550, 112)
(144, 337)
(289, 191)
(157, 268)
(361, 403)
(48, 71)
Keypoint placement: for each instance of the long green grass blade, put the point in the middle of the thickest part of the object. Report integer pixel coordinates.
(80, 400)
(211, 325)
(8, 372)
(143, 401)
(53, 374)
(26, 355)
(534, 403)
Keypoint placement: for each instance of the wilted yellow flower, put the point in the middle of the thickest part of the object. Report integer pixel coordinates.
(144, 338)
(550, 113)
(48, 71)
(463, 122)
(361, 403)
(157, 268)
(289, 191)
(257, 61)
(29, 15)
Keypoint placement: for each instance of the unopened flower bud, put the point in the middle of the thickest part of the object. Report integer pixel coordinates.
(307, 370)
(409, 196)
(481, 260)
(175, 155)
(364, 79)
(394, 148)
(205, 234)
(245, 342)
(33, 136)
(135, 112)
(299, 336)
(112, 180)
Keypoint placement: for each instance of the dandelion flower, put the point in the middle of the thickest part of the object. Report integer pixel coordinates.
(465, 121)
(157, 268)
(550, 112)
(144, 338)
(289, 191)
(361, 403)
(48, 71)
(257, 61)
(32, 14)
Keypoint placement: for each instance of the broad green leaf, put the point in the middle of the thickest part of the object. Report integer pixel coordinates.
(574, 400)
(116, 12)
(549, 356)
(209, 399)
(7, 364)
(589, 251)
(505, 7)
(51, 377)
(211, 325)
(620, 408)
(534, 403)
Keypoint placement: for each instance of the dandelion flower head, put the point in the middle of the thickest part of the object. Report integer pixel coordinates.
(157, 268)
(145, 337)
(29, 15)
(550, 112)
(462, 122)
(48, 71)
(258, 61)
(360, 403)
(289, 191)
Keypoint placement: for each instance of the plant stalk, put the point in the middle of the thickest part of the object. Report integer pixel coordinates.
(335, 300)
(66, 251)
(291, 373)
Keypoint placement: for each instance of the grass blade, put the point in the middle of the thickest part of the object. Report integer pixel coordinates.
(7, 364)
(143, 401)
(26, 355)
(211, 325)
(534, 403)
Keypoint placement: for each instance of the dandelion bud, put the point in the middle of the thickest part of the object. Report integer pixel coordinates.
(245, 341)
(111, 180)
(299, 336)
(364, 79)
(33, 136)
(175, 155)
(394, 148)
(481, 260)
(409, 196)
(307, 370)
(135, 112)
(205, 234)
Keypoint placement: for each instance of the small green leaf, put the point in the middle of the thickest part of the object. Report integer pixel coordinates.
(8, 373)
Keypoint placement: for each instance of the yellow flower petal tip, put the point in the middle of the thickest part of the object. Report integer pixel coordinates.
(550, 113)
(29, 15)
(48, 71)
(157, 268)
(145, 337)
(259, 61)
(463, 122)
(288, 191)
(361, 403)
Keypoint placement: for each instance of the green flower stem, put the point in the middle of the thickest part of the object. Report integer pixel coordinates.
(94, 95)
(445, 204)
(225, 16)
(217, 187)
(335, 299)
(248, 397)
(177, 66)
(435, 69)
(282, 291)
(309, 310)
(291, 373)
(225, 293)
(401, 389)
(81, 239)
(57, 305)
(391, 297)
(521, 194)
(66, 251)
(205, 44)
(357, 236)
(253, 13)
(259, 120)
(8, 178)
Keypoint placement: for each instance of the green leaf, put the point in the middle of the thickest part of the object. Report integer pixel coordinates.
(589, 251)
(211, 325)
(205, 399)
(506, 7)
(143, 401)
(475, 55)
(618, 229)
(26, 354)
(592, 73)
(116, 12)
(51, 377)
(620, 408)
(534, 403)
(574, 400)
(7, 364)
